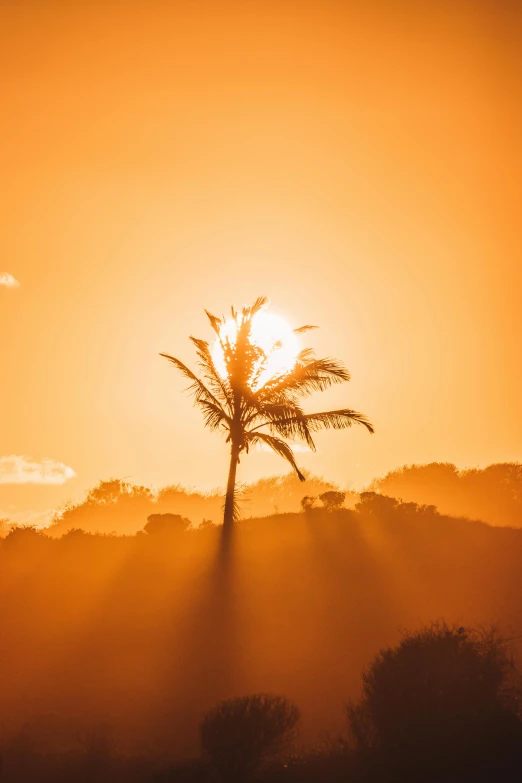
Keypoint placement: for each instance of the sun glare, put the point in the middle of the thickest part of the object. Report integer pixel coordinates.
(273, 335)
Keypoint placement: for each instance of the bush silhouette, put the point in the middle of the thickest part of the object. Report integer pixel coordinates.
(332, 500)
(239, 734)
(166, 525)
(308, 503)
(442, 702)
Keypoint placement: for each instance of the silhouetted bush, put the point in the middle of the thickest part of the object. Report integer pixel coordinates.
(308, 503)
(166, 525)
(28, 540)
(239, 734)
(332, 500)
(440, 705)
(382, 506)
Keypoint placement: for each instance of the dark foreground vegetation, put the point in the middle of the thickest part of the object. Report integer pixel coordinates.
(120, 654)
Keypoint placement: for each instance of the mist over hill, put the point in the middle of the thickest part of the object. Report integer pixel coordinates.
(130, 631)
(120, 507)
(492, 494)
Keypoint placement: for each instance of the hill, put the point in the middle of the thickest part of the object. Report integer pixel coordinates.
(142, 633)
(493, 494)
(120, 507)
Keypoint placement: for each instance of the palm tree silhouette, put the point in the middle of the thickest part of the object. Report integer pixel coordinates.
(238, 404)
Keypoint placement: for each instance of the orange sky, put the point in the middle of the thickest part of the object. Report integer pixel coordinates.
(358, 163)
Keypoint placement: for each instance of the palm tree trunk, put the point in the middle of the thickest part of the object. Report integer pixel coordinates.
(228, 517)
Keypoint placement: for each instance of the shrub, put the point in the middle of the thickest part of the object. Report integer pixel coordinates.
(166, 525)
(239, 734)
(443, 699)
(308, 503)
(332, 501)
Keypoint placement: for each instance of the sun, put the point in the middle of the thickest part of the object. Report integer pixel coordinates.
(273, 335)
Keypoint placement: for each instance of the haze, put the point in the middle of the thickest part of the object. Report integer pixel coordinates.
(158, 158)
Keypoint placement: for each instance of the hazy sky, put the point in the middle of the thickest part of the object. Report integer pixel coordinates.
(358, 163)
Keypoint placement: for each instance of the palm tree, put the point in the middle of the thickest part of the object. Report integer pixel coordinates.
(238, 404)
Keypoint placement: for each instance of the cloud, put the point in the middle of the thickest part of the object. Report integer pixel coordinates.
(8, 280)
(20, 470)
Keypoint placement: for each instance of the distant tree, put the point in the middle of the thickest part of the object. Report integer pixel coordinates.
(206, 524)
(111, 506)
(308, 503)
(113, 490)
(332, 501)
(442, 702)
(5, 527)
(166, 525)
(283, 492)
(492, 494)
(26, 537)
(239, 405)
(239, 734)
(376, 505)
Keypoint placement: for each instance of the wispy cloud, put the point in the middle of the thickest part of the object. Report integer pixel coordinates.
(20, 470)
(8, 280)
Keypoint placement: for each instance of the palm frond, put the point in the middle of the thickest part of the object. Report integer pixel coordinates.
(197, 388)
(306, 378)
(249, 312)
(303, 329)
(277, 445)
(216, 323)
(214, 415)
(286, 419)
(305, 356)
(293, 428)
(220, 386)
(336, 420)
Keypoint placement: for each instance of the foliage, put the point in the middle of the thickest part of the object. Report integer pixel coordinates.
(111, 506)
(240, 406)
(239, 734)
(166, 525)
(5, 527)
(283, 494)
(377, 505)
(308, 503)
(492, 494)
(127, 629)
(122, 508)
(441, 694)
(332, 500)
